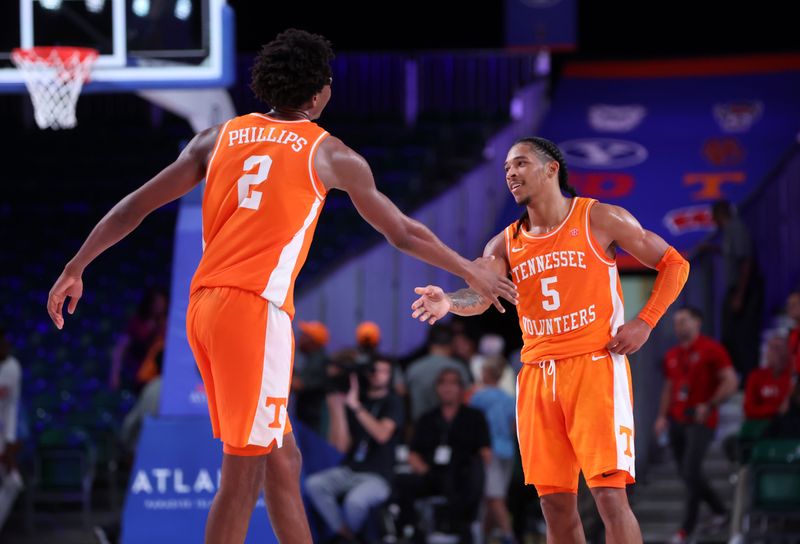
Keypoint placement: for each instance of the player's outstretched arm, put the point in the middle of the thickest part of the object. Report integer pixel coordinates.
(339, 167)
(615, 225)
(174, 181)
(433, 303)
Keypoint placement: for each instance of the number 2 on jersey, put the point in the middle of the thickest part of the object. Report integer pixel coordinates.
(247, 200)
(554, 302)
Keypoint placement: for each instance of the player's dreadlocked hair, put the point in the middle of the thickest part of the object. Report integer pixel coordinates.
(292, 68)
(547, 151)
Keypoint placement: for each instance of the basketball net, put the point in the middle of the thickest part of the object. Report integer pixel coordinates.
(54, 77)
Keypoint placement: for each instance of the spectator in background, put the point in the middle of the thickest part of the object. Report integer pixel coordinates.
(768, 388)
(150, 368)
(793, 311)
(499, 409)
(464, 346)
(309, 374)
(741, 312)
(698, 378)
(787, 423)
(368, 338)
(365, 428)
(10, 392)
(146, 405)
(448, 451)
(767, 398)
(493, 345)
(421, 375)
(147, 326)
(10, 389)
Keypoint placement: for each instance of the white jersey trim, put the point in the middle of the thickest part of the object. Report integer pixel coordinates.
(281, 277)
(554, 231)
(589, 237)
(216, 148)
(507, 235)
(623, 406)
(623, 416)
(208, 173)
(311, 168)
(275, 380)
(618, 309)
(267, 117)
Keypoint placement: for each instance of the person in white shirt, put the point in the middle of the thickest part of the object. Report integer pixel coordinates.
(10, 387)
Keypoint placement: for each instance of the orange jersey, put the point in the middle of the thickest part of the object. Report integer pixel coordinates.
(570, 297)
(261, 204)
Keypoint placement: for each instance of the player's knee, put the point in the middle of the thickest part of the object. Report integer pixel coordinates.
(285, 461)
(612, 503)
(561, 508)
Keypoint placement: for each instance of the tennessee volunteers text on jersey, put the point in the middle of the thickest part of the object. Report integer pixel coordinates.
(570, 297)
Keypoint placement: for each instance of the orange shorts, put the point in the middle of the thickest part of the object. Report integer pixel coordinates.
(244, 348)
(575, 415)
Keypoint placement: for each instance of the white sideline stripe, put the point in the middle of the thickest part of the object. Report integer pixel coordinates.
(623, 407)
(275, 376)
(281, 277)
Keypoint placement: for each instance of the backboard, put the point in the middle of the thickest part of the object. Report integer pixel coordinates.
(143, 44)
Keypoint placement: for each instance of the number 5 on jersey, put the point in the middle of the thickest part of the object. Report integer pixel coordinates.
(247, 200)
(554, 302)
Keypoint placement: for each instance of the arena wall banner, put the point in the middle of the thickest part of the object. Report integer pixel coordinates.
(173, 482)
(183, 392)
(666, 139)
(176, 475)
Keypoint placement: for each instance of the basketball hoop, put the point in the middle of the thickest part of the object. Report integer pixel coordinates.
(54, 76)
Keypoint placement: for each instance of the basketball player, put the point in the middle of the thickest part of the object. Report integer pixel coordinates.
(574, 401)
(267, 176)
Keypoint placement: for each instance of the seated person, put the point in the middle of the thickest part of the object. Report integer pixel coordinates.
(786, 425)
(448, 451)
(768, 387)
(364, 427)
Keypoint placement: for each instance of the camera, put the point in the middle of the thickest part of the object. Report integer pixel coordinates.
(345, 364)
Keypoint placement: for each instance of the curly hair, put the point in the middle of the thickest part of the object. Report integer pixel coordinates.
(547, 151)
(292, 68)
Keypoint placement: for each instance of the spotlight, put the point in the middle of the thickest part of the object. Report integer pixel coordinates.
(50, 4)
(95, 6)
(183, 9)
(141, 7)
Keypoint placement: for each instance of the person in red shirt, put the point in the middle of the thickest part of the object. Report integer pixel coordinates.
(793, 310)
(698, 378)
(768, 388)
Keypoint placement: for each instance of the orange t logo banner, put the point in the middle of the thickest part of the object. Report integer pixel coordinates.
(278, 403)
(711, 183)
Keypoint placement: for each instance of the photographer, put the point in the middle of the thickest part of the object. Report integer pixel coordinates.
(364, 427)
